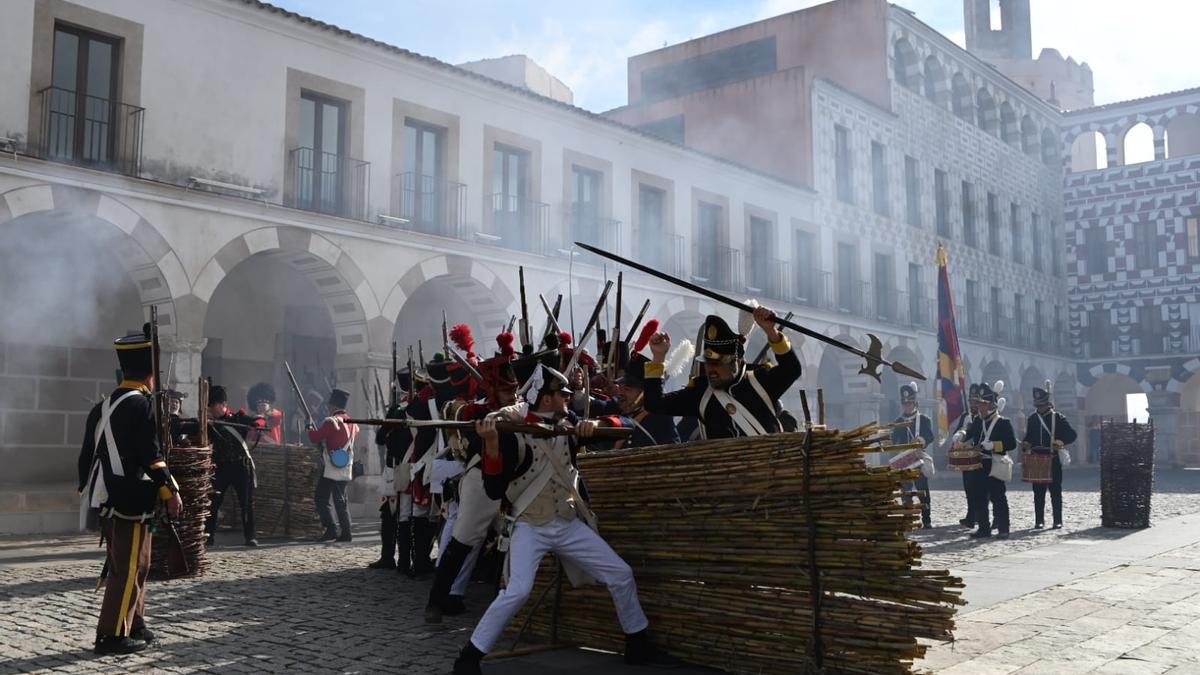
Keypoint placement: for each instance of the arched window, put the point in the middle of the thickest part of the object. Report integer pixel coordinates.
(904, 65)
(936, 86)
(960, 98)
(1009, 130)
(1029, 136)
(1183, 135)
(1138, 144)
(986, 114)
(1089, 152)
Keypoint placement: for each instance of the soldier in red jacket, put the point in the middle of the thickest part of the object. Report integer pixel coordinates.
(336, 438)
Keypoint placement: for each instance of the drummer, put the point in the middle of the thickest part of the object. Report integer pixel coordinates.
(1047, 432)
(918, 428)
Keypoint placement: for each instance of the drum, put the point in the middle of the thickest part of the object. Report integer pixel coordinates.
(909, 459)
(966, 459)
(1037, 467)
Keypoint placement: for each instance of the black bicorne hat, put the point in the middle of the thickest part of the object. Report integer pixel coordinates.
(721, 343)
(338, 398)
(263, 391)
(438, 369)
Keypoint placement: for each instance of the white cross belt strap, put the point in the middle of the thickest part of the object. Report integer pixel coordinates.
(748, 424)
(96, 488)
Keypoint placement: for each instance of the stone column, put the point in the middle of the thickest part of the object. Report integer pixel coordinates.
(1164, 411)
(181, 368)
(1160, 143)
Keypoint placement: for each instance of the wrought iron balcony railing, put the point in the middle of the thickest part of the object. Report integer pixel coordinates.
(329, 183)
(431, 204)
(90, 131)
(519, 223)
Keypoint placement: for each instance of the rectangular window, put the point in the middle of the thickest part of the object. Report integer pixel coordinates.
(974, 311)
(586, 188)
(1035, 232)
(651, 220)
(1099, 334)
(511, 206)
(1019, 321)
(912, 191)
(879, 179)
(761, 245)
(941, 202)
(993, 221)
(1018, 234)
(997, 312)
(708, 238)
(1056, 244)
(1096, 249)
(1193, 238)
(321, 158)
(1145, 247)
(423, 183)
(885, 286)
(807, 276)
(847, 278)
(1038, 325)
(843, 166)
(1152, 330)
(968, 214)
(81, 111)
(916, 300)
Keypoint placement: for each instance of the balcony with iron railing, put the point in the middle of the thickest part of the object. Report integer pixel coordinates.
(659, 250)
(885, 300)
(853, 297)
(430, 204)
(813, 288)
(90, 131)
(718, 267)
(329, 183)
(517, 223)
(769, 278)
(584, 225)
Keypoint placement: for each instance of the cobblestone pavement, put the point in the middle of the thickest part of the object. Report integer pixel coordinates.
(1131, 619)
(947, 545)
(300, 607)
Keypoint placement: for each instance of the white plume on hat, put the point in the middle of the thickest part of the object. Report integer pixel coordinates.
(1048, 386)
(679, 358)
(998, 387)
(535, 381)
(746, 319)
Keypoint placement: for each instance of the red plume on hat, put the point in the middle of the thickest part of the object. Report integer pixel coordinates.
(648, 332)
(461, 336)
(564, 339)
(505, 341)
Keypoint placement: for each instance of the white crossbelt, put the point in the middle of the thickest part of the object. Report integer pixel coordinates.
(747, 423)
(96, 489)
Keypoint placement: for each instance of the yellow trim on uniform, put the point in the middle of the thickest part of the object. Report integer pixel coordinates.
(130, 577)
(164, 492)
(782, 347)
(160, 464)
(134, 345)
(653, 369)
(134, 384)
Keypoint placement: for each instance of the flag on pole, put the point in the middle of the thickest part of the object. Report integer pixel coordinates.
(951, 381)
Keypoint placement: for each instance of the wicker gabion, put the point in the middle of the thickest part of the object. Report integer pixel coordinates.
(750, 559)
(1126, 474)
(192, 468)
(284, 500)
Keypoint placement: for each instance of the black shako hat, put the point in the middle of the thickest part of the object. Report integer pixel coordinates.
(721, 343)
(635, 372)
(135, 353)
(908, 393)
(1041, 395)
(973, 393)
(991, 394)
(338, 398)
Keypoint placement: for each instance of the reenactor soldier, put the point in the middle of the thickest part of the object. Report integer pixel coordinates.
(234, 465)
(336, 438)
(993, 434)
(1047, 431)
(123, 473)
(732, 400)
(918, 428)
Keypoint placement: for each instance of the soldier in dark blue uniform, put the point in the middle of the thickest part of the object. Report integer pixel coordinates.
(993, 434)
(918, 428)
(122, 472)
(733, 400)
(1047, 431)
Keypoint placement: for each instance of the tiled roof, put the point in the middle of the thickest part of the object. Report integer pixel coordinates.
(1144, 99)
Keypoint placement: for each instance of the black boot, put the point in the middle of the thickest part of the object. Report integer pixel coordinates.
(422, 545)
(387, 540)
(454, 605)
(468, 660)
(404, 546)
(449, 565)
(328, 535)
(639, 651)
(121, 645)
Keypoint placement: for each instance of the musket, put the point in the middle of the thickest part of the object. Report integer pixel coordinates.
(512, 320)
(526, 338)
(591, 326)
(299, 396)
(412, 373)
(873, 355)
(176, 559)
(762, 353)
(379, 395)
(551, 316)
(637, 323)
(445, 336)
(421, 354)
(615, 334)
(542, 430)
(393, 394)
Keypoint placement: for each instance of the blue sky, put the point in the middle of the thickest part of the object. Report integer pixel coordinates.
(586, 44)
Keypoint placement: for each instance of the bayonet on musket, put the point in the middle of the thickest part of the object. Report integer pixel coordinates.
(591, 326)
(637, 323)
(526, 337)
